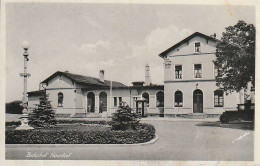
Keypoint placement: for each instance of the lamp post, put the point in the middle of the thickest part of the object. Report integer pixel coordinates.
(24, 119)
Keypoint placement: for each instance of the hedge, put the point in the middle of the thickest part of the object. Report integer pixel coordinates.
(13, 123)
(144, 133)
(65, 121)
(72, 121)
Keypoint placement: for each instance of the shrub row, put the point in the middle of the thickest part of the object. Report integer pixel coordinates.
(144, 133)
(13, 123)
(65, 121)
(79, 121)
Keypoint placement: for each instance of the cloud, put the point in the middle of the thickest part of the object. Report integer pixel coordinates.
(122, 61)
(125, 62)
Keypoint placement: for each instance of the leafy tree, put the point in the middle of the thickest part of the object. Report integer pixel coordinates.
(124, 118)
(43, 115)
(236, 57)
(14, 107)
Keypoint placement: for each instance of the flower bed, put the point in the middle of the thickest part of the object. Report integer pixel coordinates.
(144, 133)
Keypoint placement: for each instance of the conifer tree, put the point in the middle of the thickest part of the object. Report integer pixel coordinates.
(43, 115)
(124, 118)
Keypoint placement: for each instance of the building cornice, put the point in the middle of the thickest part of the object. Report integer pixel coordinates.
(183, 81)
(193, 54)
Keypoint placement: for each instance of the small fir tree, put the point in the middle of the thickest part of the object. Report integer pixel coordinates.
(124, 118)
(43, 115)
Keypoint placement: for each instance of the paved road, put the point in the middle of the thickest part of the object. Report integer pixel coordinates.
(177, 141)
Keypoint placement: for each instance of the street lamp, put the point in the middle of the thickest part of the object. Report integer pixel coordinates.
(24, 119)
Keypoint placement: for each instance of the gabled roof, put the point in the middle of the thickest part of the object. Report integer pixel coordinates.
(85, 80)
(163, 54)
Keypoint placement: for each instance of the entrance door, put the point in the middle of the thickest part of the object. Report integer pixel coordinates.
(91, 102)
(197, 101)
(102, 102)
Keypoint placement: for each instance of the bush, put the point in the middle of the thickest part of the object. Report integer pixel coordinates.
(124, 118)
(14, 107)
(43, 115)
(229, 116)
(79, 121)
(144, 133)
(13, 123)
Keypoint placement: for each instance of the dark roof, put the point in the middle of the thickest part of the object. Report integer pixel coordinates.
(36, 93)
(154, 87)
(85, 80)
(163, 54)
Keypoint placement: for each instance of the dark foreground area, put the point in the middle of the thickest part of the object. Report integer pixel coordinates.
(177, 141)
(80, 134)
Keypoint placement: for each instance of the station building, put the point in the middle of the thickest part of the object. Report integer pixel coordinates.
(189, 78)
(74, 95)
(189, 87)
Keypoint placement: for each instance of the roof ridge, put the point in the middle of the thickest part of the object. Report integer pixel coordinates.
(85, 79)
(162, 54)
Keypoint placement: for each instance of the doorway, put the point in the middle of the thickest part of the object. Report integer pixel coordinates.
(91, 102)
(197, 101)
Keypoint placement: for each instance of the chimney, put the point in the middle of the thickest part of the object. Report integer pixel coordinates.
(147, 75)
(101, 75)
(214, 35)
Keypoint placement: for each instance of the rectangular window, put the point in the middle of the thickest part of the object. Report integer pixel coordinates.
(197, 71)
(197, 47)
(178, 71)
(216, 70)
(218, 98)
(120, 101)
(115, 101)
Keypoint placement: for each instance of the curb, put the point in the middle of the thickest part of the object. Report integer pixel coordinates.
(181, 120)
(77, 145)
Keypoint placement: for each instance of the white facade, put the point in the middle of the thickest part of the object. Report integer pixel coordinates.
(86, 98)
(193, 61)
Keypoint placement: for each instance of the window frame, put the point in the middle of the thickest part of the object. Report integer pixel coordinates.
(177, 104)
(195, 50)
(195, 70)
(218, 103)
(60, 102)
(215, 70)
(120, 99)
(115, 102)
(181, 75)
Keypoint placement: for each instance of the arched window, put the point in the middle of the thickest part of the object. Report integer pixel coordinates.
(102, 102)
(145, 95)
(91, 102)
(218, 98)
(60, 99)
(178, 99)
(160, 99)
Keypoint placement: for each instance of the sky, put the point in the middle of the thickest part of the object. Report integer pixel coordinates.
(117, 38)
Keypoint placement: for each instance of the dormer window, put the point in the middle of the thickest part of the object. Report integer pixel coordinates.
(197, 47)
